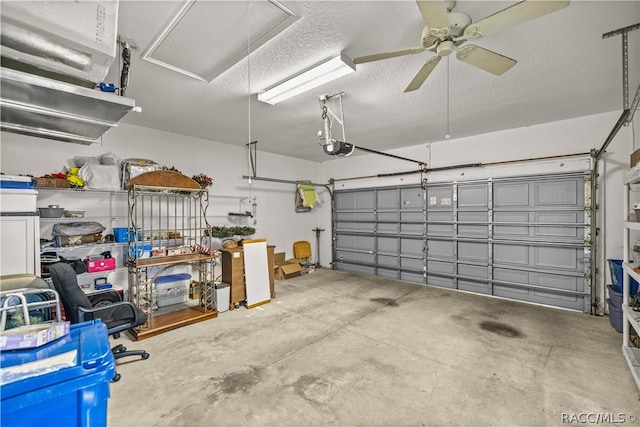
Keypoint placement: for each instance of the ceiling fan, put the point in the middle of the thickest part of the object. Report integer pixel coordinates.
(446, 30)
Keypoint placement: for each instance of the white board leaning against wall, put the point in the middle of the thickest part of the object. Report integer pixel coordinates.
(256, 272)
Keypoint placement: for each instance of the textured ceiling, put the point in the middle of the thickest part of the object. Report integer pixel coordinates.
(565, 69)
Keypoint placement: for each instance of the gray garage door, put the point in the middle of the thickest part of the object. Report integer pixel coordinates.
(520, 238)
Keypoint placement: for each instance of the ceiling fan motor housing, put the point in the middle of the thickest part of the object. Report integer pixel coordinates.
(457, 23)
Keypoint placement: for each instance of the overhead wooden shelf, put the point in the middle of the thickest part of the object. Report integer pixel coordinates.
(165, 179)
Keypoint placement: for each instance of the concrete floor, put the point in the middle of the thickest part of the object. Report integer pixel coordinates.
(339, 349)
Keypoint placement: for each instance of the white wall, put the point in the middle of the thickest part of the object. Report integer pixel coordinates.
(226, 164)
(579, 135)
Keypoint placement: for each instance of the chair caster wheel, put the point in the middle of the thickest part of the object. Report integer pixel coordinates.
(145, 356)
(116, 378)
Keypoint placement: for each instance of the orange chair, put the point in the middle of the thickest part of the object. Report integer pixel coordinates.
(302, 251)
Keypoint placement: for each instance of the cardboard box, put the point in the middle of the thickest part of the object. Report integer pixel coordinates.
(291, 268)
(635, 158)
(52, 183)
(33, 335)
(279, 259)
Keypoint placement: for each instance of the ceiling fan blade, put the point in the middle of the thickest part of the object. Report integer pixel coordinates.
(379, 56)
(422, 75)
(485, 59)
(512, 16)
(434, 13)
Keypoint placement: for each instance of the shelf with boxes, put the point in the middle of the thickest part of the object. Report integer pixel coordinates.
(630, 305)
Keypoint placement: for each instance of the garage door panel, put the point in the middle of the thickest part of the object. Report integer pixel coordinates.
(363, 200)
(389, 273)
(412, 217)
(445, 282)
(473, 251)
(473, 230)
(508, 275)
(412, 229)
(519, 294)
(412, 264)
(355, 257)
(558, 258)
(473, 196)
(510, 194)
(558, 300)
(387, 216)
(557, 281)
(473, 286)
(388, 244)
(440, 248)
(412, 247)
(439, 229)
(353, 242)
(504, 231)
(559, 231)
(440, 197)
(412, 198)
(388, 261)
(556, 193)
(387, 199)
(412, 277)
(439, 267)
(475, 271)
(511, 254)
(353, 268)
(367, 227)
(387, 228)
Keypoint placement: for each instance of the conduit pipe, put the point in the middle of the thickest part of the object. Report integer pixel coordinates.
(596, 155)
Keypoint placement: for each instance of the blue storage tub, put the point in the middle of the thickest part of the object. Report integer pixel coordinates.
(125, 234)
(74, 395)
(16, 182)
(616, 319)
(172, 278)
(615, 268)
(615, 296)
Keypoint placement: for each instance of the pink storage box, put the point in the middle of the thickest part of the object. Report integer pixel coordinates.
(94, 266)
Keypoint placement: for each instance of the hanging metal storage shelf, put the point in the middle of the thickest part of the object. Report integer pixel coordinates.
(38, 106)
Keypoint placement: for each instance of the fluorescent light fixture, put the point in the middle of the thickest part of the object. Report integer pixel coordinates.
(313, 77)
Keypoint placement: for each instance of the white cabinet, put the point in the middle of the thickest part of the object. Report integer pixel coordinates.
(19, 245)
(631, 318)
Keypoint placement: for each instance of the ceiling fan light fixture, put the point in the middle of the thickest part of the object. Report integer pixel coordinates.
(313, 77)
(445, 48)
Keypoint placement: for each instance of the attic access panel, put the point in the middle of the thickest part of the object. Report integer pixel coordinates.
(206, 38)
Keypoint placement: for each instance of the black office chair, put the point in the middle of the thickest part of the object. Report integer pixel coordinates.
(118, 317)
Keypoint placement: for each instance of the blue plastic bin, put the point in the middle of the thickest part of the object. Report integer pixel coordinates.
(615, 267)
(125, 234)
(70, 396)
(16, 182)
